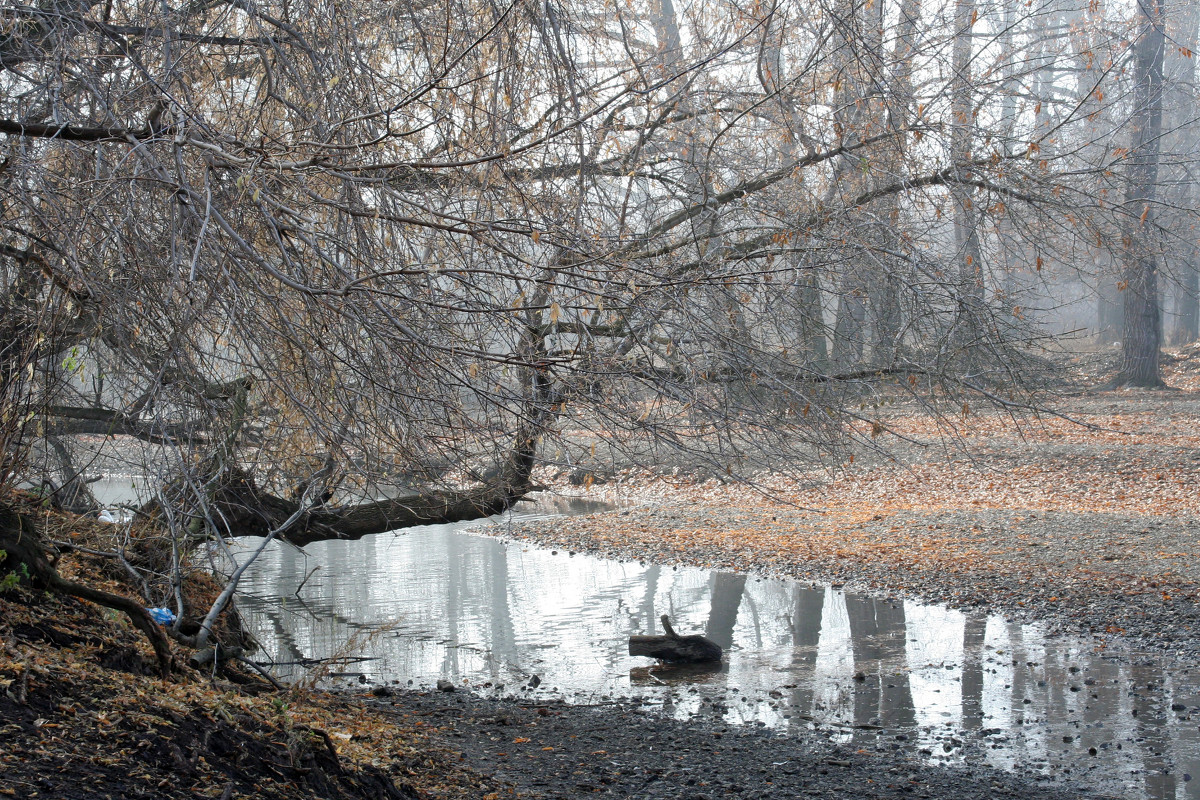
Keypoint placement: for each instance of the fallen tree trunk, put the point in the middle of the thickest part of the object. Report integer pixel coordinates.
(675, 648)
(232, 504)
(236, 506)
(246, 510)
(242, 508)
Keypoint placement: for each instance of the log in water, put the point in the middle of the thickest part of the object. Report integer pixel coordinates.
(675, 648)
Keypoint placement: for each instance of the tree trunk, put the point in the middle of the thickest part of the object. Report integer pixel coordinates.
(1182, 101)
(811, 320)
(1187, 305)
(1142, 336)
(246, 510)
(848, 329)
(966, 218)
(810, 315)
(887, 311)
(852, 121)
(240, 508)
(1008, 264)
(1110, 319)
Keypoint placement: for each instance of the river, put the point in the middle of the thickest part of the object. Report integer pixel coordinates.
(451, 602)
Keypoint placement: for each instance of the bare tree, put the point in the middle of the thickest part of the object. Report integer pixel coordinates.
(1141, 351)
(344, 275)
(1183, 187)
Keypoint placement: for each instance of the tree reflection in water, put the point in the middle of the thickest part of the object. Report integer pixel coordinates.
(484, 612)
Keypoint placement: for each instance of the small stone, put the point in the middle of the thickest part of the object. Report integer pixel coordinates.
(444, 685)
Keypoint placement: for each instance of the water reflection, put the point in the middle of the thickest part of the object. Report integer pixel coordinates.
(444, 602)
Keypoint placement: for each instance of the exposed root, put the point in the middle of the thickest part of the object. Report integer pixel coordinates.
(26, 555)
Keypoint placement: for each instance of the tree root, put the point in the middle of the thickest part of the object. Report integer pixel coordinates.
(22, 545)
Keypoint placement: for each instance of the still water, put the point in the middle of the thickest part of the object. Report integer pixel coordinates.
(490, 614)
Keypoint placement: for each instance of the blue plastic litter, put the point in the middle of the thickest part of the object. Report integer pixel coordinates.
(163, 616)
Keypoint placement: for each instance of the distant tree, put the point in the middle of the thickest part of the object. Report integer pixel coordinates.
(1180, 102)
(1141, 346)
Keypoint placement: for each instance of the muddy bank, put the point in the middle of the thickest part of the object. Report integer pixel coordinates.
(83, 716)
(554, 751)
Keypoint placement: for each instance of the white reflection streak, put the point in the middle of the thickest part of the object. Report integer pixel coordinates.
(833, 695)
(998, 678)
(935, 653)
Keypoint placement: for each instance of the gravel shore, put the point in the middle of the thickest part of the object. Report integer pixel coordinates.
(556, 751)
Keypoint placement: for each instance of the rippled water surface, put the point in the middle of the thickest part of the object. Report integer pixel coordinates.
(446, 602)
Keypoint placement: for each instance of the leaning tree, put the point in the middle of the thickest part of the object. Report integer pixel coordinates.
(333, 269)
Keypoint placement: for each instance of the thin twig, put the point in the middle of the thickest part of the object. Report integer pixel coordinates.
(306, 577)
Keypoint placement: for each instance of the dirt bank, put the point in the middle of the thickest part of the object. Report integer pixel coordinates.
(84, 715)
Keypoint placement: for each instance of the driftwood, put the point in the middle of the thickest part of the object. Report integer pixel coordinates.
(216, 653)
(675, 648)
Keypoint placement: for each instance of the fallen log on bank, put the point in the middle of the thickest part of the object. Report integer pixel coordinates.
(675, 648)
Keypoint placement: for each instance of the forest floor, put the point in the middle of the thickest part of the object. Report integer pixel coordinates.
(1093, 529)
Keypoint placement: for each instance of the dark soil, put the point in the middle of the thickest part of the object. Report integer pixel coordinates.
(165, 753)
(558, 751)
